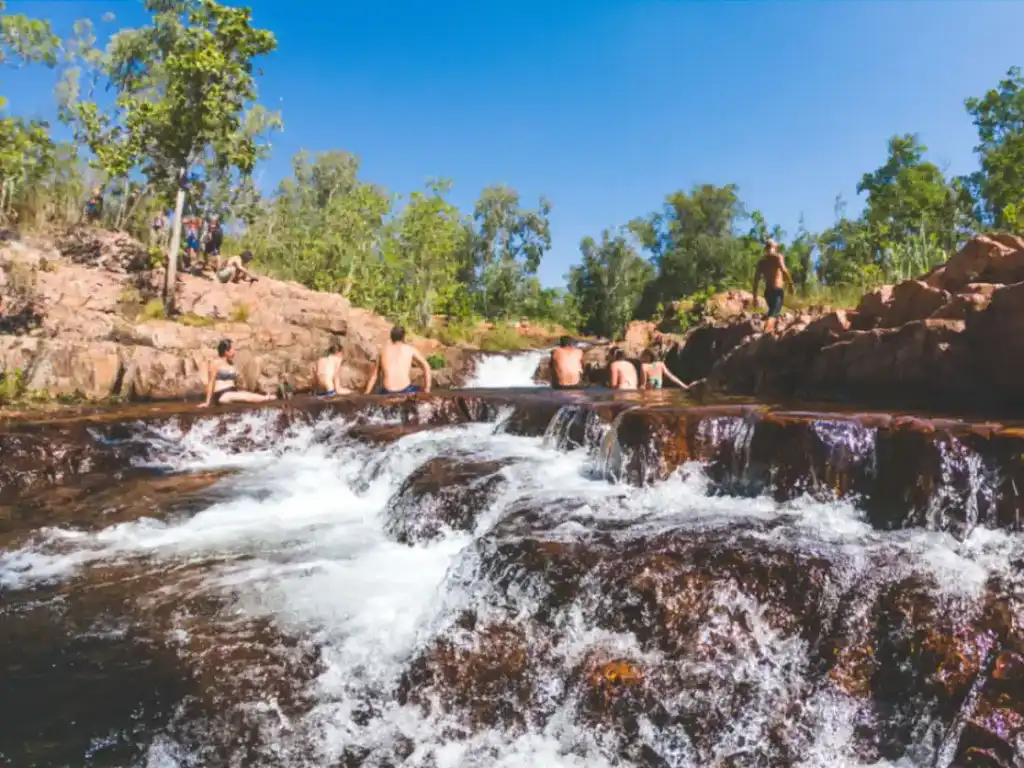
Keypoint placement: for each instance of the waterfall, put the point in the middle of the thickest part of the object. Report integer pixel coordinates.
(504, 370)
(367, 589)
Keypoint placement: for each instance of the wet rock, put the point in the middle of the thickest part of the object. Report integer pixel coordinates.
(444, 493)
(53, 457)
(485, 673)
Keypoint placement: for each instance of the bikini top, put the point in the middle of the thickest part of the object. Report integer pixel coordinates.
(227, 374)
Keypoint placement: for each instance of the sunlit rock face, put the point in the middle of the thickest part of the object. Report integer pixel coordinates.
(486, 578)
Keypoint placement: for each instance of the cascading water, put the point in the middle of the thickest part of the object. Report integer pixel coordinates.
(502, 370)
(269, 617)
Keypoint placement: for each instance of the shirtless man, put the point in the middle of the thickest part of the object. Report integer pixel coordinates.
(621, 372)
(327, 373)
(566, 365)
(775, 274)
(234, 269)
(394, 365)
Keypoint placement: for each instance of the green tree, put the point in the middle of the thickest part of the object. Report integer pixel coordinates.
(184, 101)
(694, 244)
(26, 150)
(508, 244)
(425, 240)
(999, 184)
(608, 283)
(907, 196)
(322, 228)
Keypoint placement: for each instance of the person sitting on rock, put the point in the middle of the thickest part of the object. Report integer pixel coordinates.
(653, 371)
(222, 381)
(327, 373)
(566, 365)
(621, 372)
(394, 366)
(773, 269)
(234, 269)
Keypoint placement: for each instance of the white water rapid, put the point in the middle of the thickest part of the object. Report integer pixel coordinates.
(501, 370)
(294, 540)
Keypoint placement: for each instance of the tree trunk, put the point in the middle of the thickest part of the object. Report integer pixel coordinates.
(171, 273)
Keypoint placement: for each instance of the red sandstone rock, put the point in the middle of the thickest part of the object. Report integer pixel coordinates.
(874, 304)
(912, 300)
(982, 260)
(89, 344)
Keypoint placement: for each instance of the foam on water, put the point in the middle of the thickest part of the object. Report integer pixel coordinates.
(502, 370)
(300, 541)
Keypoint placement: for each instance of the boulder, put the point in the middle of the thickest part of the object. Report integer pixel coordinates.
(912, 300)
(638, 336)
(974, 297)
(983, 259)
(873, 305)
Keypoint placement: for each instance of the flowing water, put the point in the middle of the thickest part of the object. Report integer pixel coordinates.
(498, 371)
(268, 615)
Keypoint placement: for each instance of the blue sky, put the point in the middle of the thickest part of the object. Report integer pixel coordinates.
(604, 107)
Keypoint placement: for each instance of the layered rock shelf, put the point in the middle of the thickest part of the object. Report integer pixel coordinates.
(728, 583)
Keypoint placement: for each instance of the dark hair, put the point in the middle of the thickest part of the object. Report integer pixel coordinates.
(565, 341)
(246, 255)
(617, 354)
(223, 346)
(648, 356)
(333, 349)
(398, 333)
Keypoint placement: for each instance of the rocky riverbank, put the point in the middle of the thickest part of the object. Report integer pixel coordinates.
(80, 319)
(949, 340)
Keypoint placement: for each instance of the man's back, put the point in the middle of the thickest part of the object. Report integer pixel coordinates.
(771, 268)
(567, 365)
(396, 365)
(326, 368)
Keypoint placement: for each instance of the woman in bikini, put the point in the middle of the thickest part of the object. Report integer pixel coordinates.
(221, 384)
(654, 372)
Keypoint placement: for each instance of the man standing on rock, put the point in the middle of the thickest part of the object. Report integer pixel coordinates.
(394, 367)
(566, 365)
(327, 373)
(773, 269)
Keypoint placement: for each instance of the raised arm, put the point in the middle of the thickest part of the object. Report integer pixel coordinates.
(643, 376)
(613, 376)
(373, 375)
(421, 361)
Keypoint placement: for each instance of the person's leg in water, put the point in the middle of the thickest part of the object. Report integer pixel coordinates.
(241, 396)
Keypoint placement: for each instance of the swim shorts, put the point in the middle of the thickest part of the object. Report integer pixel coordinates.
(773, 297)
(407, 391)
